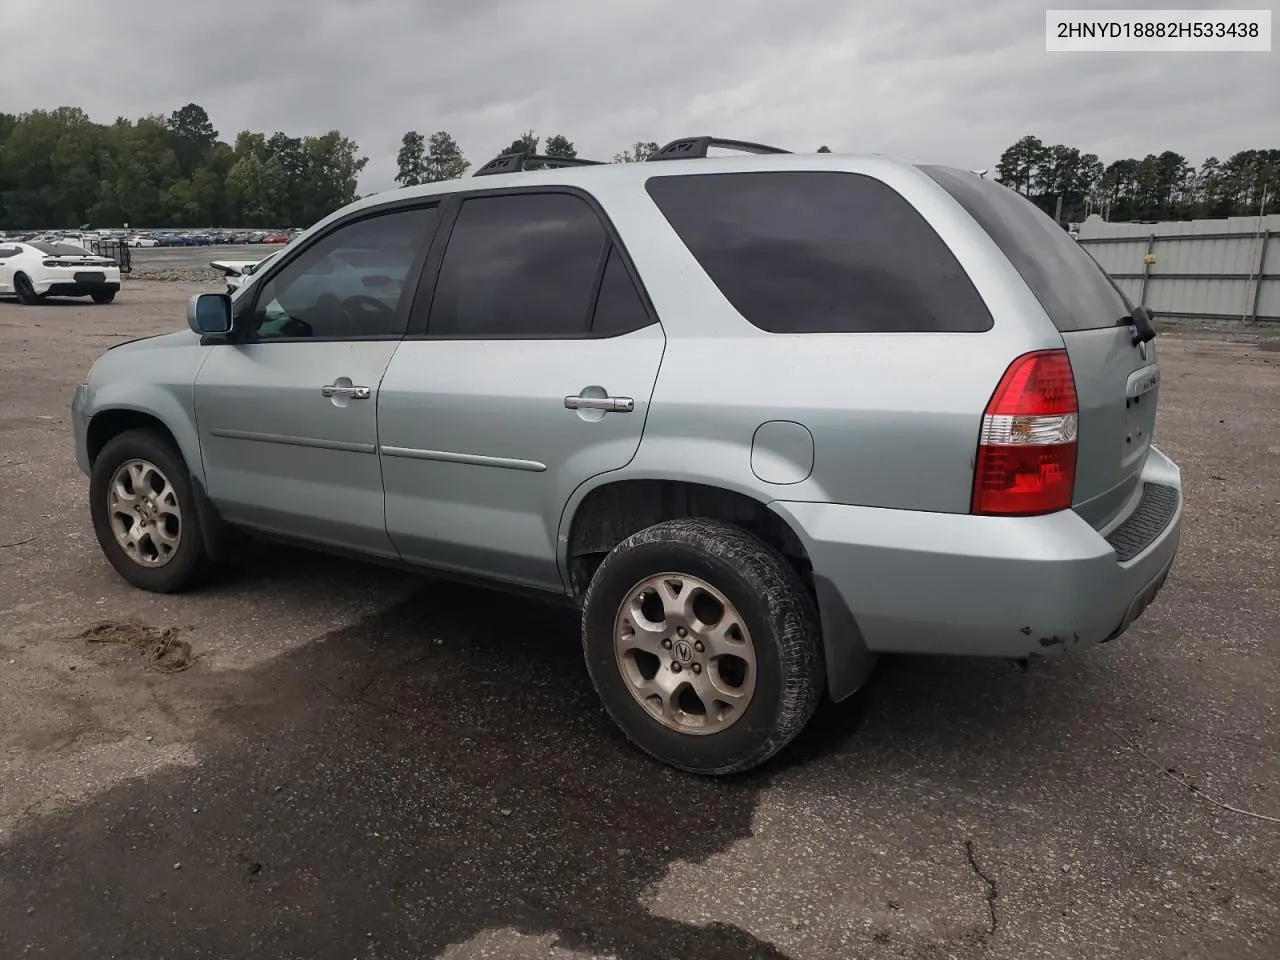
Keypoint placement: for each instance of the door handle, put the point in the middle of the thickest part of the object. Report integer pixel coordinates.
(351, 393)
(607, 404)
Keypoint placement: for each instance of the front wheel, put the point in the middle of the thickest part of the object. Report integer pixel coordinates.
(104, 296)
(704, 645)
(144, 512)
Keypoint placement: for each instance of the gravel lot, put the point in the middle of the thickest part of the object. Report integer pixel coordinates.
(362, 763)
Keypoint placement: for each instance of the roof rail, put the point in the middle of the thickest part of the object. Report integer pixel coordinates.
(696, 147)
(514, 162)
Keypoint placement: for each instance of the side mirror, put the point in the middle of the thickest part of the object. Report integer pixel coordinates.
(1144, 330)
(209, 314)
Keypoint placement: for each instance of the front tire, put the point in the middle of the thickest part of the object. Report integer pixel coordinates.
(144, 512)
(704, 645)
(106, 296)
(27, 295)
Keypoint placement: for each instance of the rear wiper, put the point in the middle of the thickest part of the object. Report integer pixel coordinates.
(1144, 330)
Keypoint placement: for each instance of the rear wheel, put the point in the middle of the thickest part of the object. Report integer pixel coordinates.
(27, 295)
(144, 512)
(704, 645)
(104, 296)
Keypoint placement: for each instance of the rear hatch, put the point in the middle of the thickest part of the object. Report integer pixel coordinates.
(1117, 380)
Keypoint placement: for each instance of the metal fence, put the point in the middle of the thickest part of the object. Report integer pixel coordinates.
(117, 250)
(1215, 270)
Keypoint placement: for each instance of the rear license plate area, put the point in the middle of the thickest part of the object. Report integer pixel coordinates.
(90, 276)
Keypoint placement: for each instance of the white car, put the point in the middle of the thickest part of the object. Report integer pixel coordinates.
(238, 272)
(35, 270)
(140, 240)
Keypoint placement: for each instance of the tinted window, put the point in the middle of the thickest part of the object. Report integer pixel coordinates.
(619, 308)
(820, 252)
(1075, 292)
(7, 252)
(348, 284)
(520, 265)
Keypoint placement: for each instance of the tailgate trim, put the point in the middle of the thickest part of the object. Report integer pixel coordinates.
(1154, 513)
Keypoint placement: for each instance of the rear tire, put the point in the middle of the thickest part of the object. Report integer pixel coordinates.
(27, 295)
(704, 645)
(145, 514)
(105, 297)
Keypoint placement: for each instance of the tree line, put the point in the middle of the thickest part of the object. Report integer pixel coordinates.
(59, 168)
(1162, 186)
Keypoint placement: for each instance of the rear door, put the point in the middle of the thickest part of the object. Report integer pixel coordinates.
(1117, 379)
(528, 370)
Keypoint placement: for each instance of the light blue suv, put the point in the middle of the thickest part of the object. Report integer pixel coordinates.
(762, 417)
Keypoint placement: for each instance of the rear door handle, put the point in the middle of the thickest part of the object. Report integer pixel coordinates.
(607, 404)
(340, 390)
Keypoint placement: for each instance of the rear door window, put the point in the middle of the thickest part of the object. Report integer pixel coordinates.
(820, 252)
(1074, 291)
(521, 265)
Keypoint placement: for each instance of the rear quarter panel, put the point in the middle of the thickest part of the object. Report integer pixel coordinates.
(894, 417)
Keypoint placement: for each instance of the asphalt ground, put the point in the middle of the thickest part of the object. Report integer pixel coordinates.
(367, 764)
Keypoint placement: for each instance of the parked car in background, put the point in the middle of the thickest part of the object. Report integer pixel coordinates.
(33, 271)
(143, 240)
(759, 418)
(276, 238)
(238, 272)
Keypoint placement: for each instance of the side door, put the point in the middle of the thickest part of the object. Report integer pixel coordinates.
(529, 367)
(287, 410)
(7, 253)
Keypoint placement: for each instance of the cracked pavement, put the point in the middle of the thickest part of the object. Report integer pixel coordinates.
(365, 763)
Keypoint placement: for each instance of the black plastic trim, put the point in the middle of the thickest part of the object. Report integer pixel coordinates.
(1150, 518)
(516, 162)
(694, 148)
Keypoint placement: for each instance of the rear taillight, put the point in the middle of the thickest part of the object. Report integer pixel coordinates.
(1026, 460)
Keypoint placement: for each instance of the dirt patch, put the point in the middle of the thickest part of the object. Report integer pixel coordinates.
(162, 650)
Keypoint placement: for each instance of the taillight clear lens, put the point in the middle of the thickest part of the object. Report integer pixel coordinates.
(1026, 461)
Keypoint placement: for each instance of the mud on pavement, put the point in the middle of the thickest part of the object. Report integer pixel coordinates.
(364, 763)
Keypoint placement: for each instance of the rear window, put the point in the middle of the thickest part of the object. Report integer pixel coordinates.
(820, 252)
(1075, 292)
(60, 250)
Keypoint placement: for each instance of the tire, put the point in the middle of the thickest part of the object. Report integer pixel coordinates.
(754, 582)
(185, 561)
(104, 297)
(27, 295)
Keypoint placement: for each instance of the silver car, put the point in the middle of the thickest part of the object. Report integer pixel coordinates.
(762, 417)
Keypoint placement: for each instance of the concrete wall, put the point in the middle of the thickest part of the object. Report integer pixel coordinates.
(1196, 269)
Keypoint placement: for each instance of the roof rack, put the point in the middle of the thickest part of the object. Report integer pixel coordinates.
(514, 162)
(688, 148)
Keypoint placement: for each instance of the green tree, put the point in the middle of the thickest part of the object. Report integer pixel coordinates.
(412, 160)
(525, 143)
(560, 146)
(193, 136)
(637, 152)
(444, 159)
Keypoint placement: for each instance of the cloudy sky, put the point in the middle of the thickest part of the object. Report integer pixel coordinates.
(950, 81)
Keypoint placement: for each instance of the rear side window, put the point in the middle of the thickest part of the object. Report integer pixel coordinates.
(1074, 291)
(523, 265)
(619, 308)
(820, 252)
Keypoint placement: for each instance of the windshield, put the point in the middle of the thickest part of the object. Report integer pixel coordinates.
(1074, 290)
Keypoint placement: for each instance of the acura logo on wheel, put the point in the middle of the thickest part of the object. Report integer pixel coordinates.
(683, 651)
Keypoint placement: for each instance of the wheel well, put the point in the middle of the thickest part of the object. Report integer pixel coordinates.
(111, 423)
(612, 512)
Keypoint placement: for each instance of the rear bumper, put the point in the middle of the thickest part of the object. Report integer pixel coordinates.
(938, 583)
(80, 428)
(68, 288)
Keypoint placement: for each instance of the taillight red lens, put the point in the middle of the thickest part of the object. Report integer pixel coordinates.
(1026, 461)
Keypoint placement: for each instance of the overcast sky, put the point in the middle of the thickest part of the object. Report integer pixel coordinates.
(949, 81)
